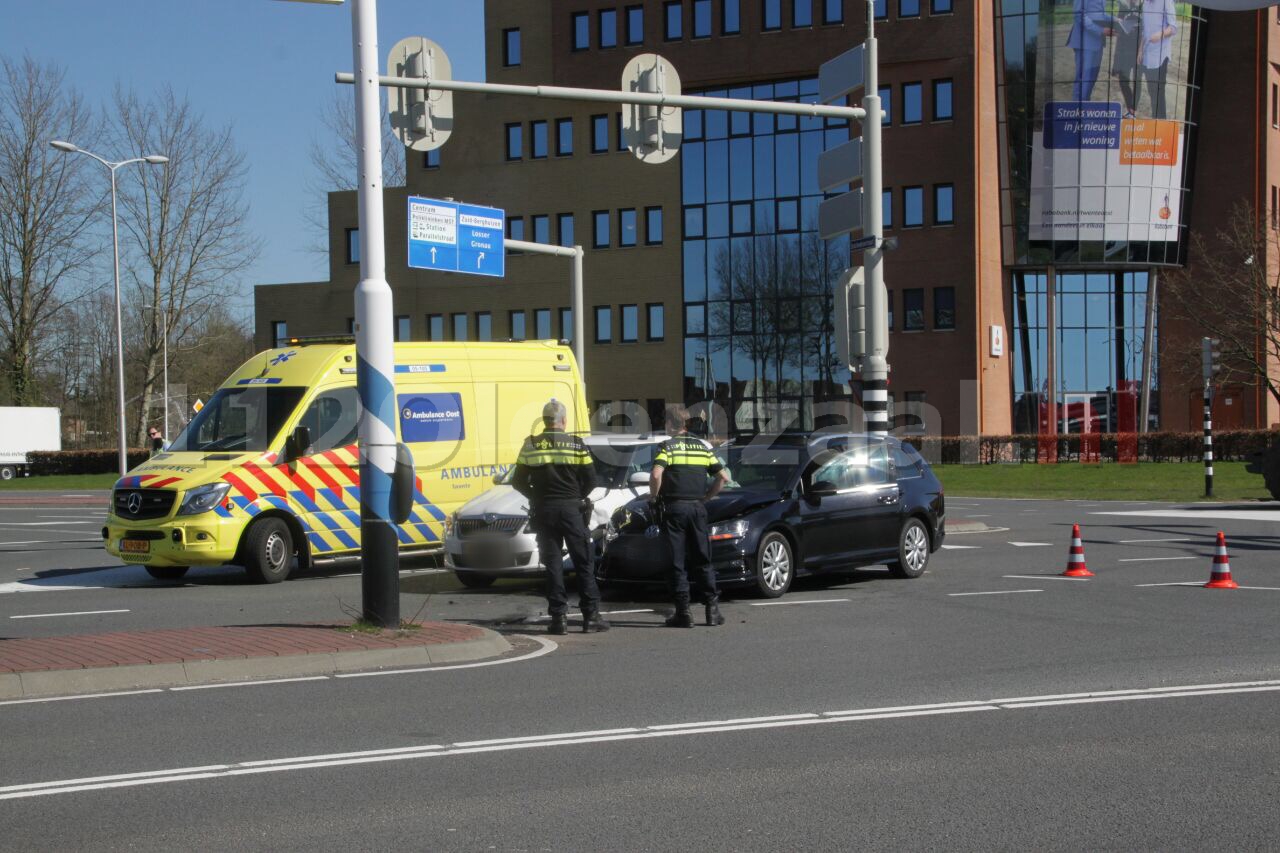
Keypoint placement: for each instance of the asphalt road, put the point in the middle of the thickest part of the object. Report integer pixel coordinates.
(651, 738)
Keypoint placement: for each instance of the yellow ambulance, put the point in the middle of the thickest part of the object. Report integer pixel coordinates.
(236, 486)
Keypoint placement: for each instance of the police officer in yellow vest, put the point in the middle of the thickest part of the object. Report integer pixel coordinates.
(554, 471)
(679, 484)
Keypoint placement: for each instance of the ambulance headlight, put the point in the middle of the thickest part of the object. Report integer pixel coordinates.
(203, 498)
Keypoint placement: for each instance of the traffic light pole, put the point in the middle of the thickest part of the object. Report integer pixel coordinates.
(375, 352)
(875, 362)
(1208, 440)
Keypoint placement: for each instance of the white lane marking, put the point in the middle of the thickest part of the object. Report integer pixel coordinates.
(1170, 539)
(961, 547)
(346, 759)
(4, 545)
(546, 646)
(992, 592)
(1030, 544)
(1172, 583)
(806, 601)
(249, 683)
(1202, 515)
(30, 586)
(1044, 578)
(104, 497)
(72, 613)
(1276, 588)
(42, 523)
(622, 612)
(966, 517)
(1151, 559)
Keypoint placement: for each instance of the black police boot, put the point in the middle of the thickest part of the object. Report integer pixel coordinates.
(593, 621)
(558, 624)
(714, 617)
(681, 618)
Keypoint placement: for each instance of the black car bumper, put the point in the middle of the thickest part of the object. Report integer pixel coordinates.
(641, 560)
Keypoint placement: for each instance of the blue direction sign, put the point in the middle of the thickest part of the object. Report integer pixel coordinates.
(445, 235)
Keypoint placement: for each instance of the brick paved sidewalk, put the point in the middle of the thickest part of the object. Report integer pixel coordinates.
(72, 664)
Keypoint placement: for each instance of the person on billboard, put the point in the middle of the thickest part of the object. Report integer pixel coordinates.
(1159, 24)
(1090, 25)
(1124, 55)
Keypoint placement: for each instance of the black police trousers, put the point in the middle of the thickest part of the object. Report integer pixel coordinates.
(556, 528)
(686, 527)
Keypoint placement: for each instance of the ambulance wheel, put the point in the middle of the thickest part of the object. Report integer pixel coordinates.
(268, 551)
(167, 573)
(475, 580)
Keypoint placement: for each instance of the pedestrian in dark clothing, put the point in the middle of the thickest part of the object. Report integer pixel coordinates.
(554, 471)
(679, 484)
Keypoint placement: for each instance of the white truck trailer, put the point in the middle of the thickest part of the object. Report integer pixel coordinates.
(22, 430)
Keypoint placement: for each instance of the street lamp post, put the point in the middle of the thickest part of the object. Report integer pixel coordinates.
(164, 313)
(155, 160)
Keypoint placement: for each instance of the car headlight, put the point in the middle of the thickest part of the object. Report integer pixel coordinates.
(203, 498)
(729, 530)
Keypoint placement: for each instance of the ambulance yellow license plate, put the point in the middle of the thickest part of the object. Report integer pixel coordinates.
(135, 546)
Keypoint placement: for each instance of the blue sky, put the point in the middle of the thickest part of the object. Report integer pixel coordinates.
(262, 65)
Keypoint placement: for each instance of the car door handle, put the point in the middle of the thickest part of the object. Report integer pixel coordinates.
(887, 499)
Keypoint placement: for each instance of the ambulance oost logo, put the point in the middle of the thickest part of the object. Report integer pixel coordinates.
(406, 413)
(283, 357)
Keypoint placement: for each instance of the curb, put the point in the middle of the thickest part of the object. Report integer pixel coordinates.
(966, 527)
(65, 682)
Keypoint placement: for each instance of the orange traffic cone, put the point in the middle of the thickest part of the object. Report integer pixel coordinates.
(1220, 577)
(1075, 557)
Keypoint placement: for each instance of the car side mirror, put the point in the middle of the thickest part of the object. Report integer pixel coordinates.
(296, 445)
(639, 478)
(820, 488)
(497, 479)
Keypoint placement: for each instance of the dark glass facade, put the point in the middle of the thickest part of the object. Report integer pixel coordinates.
(757, 279)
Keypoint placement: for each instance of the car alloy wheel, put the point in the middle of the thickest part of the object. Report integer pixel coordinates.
(776, 565)
(913, 550)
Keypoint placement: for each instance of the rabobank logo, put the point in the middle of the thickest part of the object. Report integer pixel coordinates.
(431, 417)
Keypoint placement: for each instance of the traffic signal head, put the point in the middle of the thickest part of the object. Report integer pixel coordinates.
(1210, 358)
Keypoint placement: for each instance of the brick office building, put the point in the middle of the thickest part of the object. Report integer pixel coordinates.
(705, 279)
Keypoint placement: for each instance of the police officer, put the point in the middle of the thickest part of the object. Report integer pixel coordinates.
(554, 471)
(679, 485)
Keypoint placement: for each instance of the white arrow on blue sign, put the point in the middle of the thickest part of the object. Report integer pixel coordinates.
(445, 235)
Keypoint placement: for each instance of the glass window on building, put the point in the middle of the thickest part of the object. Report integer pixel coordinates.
(538, 139)
(351, 325)
(801, 13)
(566, 324)
(731, 17)
(908, 8)
(604, 324)
(889, 301)
(608, 26)
(599, 134)
(882, 9)
(431, 159)
(515, 141)
(832, 11)
(622, 140)
(944, 307)
(402, 331)
(542, 324)
(627, 227)
(912, 207)
(886, 105)
(673, 20)
(564, 227)
(511, 47)
(942, 100)
(279, 331)
(912, 106)
(630, 324)
(564, 137)
(353, 245)
(657, 321)
(940, 7)
(515, 321)
(484, 326)
(701, 19)
(435, 327)
(600, 229)
(635, 25)
(541, 228)
(515, 228)
(653, 226)
(913, 309)
(886, 208)
(460, 327)
(581, 30)
(771, 15)
(943, 204)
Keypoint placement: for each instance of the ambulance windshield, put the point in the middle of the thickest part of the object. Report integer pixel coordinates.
(243, 420)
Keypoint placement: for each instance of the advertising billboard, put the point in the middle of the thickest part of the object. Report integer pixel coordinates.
(1112, 85)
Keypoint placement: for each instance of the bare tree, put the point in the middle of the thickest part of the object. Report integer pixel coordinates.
(46, 209)
(1230, 293)
(185, 225)
(334, 155)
